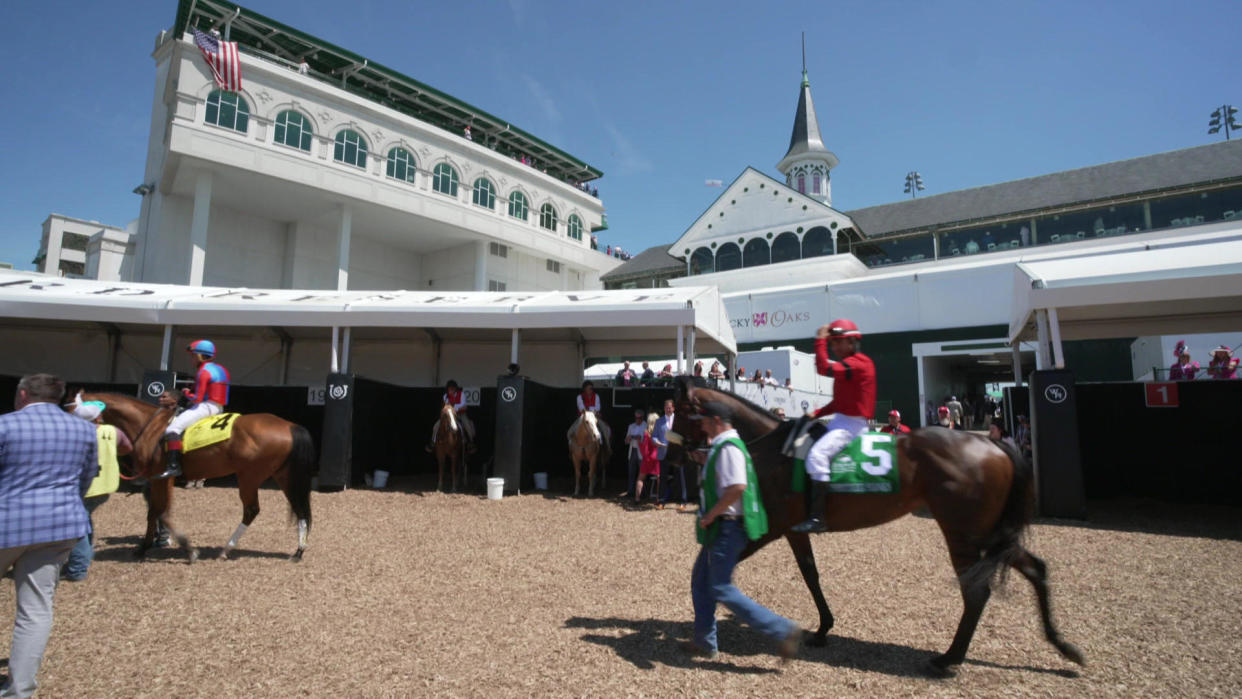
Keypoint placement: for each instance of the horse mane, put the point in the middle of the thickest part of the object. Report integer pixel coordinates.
(698, 382)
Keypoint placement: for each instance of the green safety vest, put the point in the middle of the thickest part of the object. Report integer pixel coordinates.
(754, 517)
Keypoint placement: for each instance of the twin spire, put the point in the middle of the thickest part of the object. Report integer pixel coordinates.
(807, 152)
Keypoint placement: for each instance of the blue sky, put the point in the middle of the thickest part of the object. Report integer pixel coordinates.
(664, 95)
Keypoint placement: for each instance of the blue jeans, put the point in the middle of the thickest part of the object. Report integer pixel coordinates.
(712, 583)
(84, 551)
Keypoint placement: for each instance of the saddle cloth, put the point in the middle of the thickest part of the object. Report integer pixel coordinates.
(208, 431)
(867, 465)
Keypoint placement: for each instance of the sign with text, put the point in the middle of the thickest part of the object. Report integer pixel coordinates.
(1161, 395)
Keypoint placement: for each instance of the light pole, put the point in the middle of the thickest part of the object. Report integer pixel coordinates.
(914, 184)
(1223, 116)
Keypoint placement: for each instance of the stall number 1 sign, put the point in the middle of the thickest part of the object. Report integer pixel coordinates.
(1162, 395)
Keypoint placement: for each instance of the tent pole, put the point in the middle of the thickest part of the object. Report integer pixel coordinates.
(164, 352)
(732, 361)
(1041, 328)
(334, 363)
(513, 346)
(1058, 357)
(345, 350)
(1017, 362)
(690, 349)
(681, 342)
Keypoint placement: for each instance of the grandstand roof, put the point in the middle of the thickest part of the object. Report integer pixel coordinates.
(263, 36)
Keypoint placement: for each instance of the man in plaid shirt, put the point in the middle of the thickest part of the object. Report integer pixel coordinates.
(47, 461)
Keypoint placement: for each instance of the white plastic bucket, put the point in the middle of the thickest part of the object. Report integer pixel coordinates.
(495, 488)
(541, 480)
(380, 479)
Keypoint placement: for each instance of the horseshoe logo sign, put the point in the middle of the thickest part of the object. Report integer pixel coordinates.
(338, 391)
(155, 389)
(508, 394)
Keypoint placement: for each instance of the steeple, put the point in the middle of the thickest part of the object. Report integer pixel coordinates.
(807, 157)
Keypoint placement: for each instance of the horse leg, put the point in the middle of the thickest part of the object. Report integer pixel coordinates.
(440, 479)
(577, 471)
(250, 509)
(591, 476)
(975, 593)
(805, 556)
(1036, 571)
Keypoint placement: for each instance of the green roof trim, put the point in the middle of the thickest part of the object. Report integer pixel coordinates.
(377, 83)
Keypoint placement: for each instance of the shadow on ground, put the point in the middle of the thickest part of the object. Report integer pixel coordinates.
(122, 548)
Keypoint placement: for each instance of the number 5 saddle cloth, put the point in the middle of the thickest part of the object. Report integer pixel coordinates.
(867, 465)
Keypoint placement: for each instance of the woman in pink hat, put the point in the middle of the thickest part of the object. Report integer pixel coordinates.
(1223, 365)
(1183, 369)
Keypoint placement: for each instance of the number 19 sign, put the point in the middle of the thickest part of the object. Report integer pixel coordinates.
(1161, 395)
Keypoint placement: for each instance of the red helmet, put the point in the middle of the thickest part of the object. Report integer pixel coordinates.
(894, 413)
(843, 328)
(942, 410)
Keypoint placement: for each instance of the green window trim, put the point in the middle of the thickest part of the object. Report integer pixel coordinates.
(227, 110)
(350, 148)
(293, 130)
(547, 217)
(573, 227)
(401, 165)
(444, 179)
(484, 194)
(518, 207)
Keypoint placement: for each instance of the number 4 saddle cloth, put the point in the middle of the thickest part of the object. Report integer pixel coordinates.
(208, 431)
(867, 465)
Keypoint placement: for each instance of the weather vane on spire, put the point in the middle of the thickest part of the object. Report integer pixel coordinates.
(804, 80)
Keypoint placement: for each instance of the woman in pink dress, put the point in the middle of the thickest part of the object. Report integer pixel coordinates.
(650, 451)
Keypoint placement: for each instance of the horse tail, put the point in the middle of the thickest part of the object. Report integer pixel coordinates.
(301, 463)
(1003, 544)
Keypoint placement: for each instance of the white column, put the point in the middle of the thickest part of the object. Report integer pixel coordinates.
(334, 362)
(166, 350)
(198, 227)
(345, 351)
(732, 361)
(1041, 351)
(919, 361)
(690, 349)
(681, 343)
(1017, 363)
(342, 253)
(1054, 326)
(513, 345)
(480, 266)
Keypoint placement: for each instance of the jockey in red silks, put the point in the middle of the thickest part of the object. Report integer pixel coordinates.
(211, 394)
(852, 405)
(589, 400)
(454, 396)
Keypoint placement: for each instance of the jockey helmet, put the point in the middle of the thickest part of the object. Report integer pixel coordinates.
(843, 328)
(894, 413)
(203, 347)
(587, 384)
(451, 384)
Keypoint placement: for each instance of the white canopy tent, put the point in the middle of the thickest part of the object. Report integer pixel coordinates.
(1194, 288)
(561, 325)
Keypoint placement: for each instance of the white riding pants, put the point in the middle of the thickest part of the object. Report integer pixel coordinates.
(191, 416)
(842, 429)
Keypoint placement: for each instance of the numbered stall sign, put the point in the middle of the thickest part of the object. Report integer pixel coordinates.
(1161, 395)
(472, 394)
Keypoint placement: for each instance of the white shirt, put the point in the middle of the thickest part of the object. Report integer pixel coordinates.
(730, 469)
(593, 407)
(634, 435)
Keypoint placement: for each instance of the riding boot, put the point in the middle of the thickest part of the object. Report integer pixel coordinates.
(172, 467)
(816, 521)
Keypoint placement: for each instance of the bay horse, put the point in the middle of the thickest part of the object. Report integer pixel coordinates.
(262, 446)
(587, 446)
(980, 493)
(449, 445)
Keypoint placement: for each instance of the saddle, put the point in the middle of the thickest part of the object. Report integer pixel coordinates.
(868, 464)
(208, 431)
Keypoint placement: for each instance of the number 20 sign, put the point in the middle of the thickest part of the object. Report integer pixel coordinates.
(1161, 395)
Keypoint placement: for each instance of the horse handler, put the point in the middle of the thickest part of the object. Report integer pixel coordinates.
(731, 515)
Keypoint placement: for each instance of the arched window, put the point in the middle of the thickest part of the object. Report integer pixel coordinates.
(574, 227)
(802, 183)
(293, 130)
(350, 149)
(444, 179)
(484, 193)
(401, 164)
(728, 257)
(517, 205)
(228, 109)
(786, 247)
(547, 217)
(702, 262)
(815, 184)
(816, 242)
(756, 253)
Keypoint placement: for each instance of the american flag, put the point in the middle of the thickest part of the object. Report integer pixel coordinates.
(222, 58)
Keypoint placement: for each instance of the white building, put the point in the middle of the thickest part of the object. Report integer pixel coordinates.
(346, 176)
(71, 247)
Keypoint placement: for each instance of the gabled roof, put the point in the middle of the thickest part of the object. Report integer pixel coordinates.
(805, 138)
(651, 261)
(262, 36)
(1216, 162)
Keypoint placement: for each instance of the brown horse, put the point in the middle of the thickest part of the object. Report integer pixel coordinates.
(587, 446)
(449, 445)
(262, 446)
(979, 491)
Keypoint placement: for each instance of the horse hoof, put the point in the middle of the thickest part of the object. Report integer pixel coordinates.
(193, 556)
(297, 555)
(224, 556)
(815, 640)
(941, 667)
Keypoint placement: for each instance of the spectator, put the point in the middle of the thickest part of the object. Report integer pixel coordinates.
(626, 376)
(595, 242)
(698, 369)
(303, 67)
(1022, 436)
(769, 379)
(466, 133)
(716, 373)
(110, 443)
(47, 462)
(648, 376)
(1184, 369)
(998, 433)
(650, 464)
(608, 252)
(757, 378)
(789, 384)
(944, 418)
(741, 374)
(779, 412)
(955, 412)
(633, 448)
(670, 471)
(968, 413)
(666, 374)
(1223, 365)
(894, 425)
